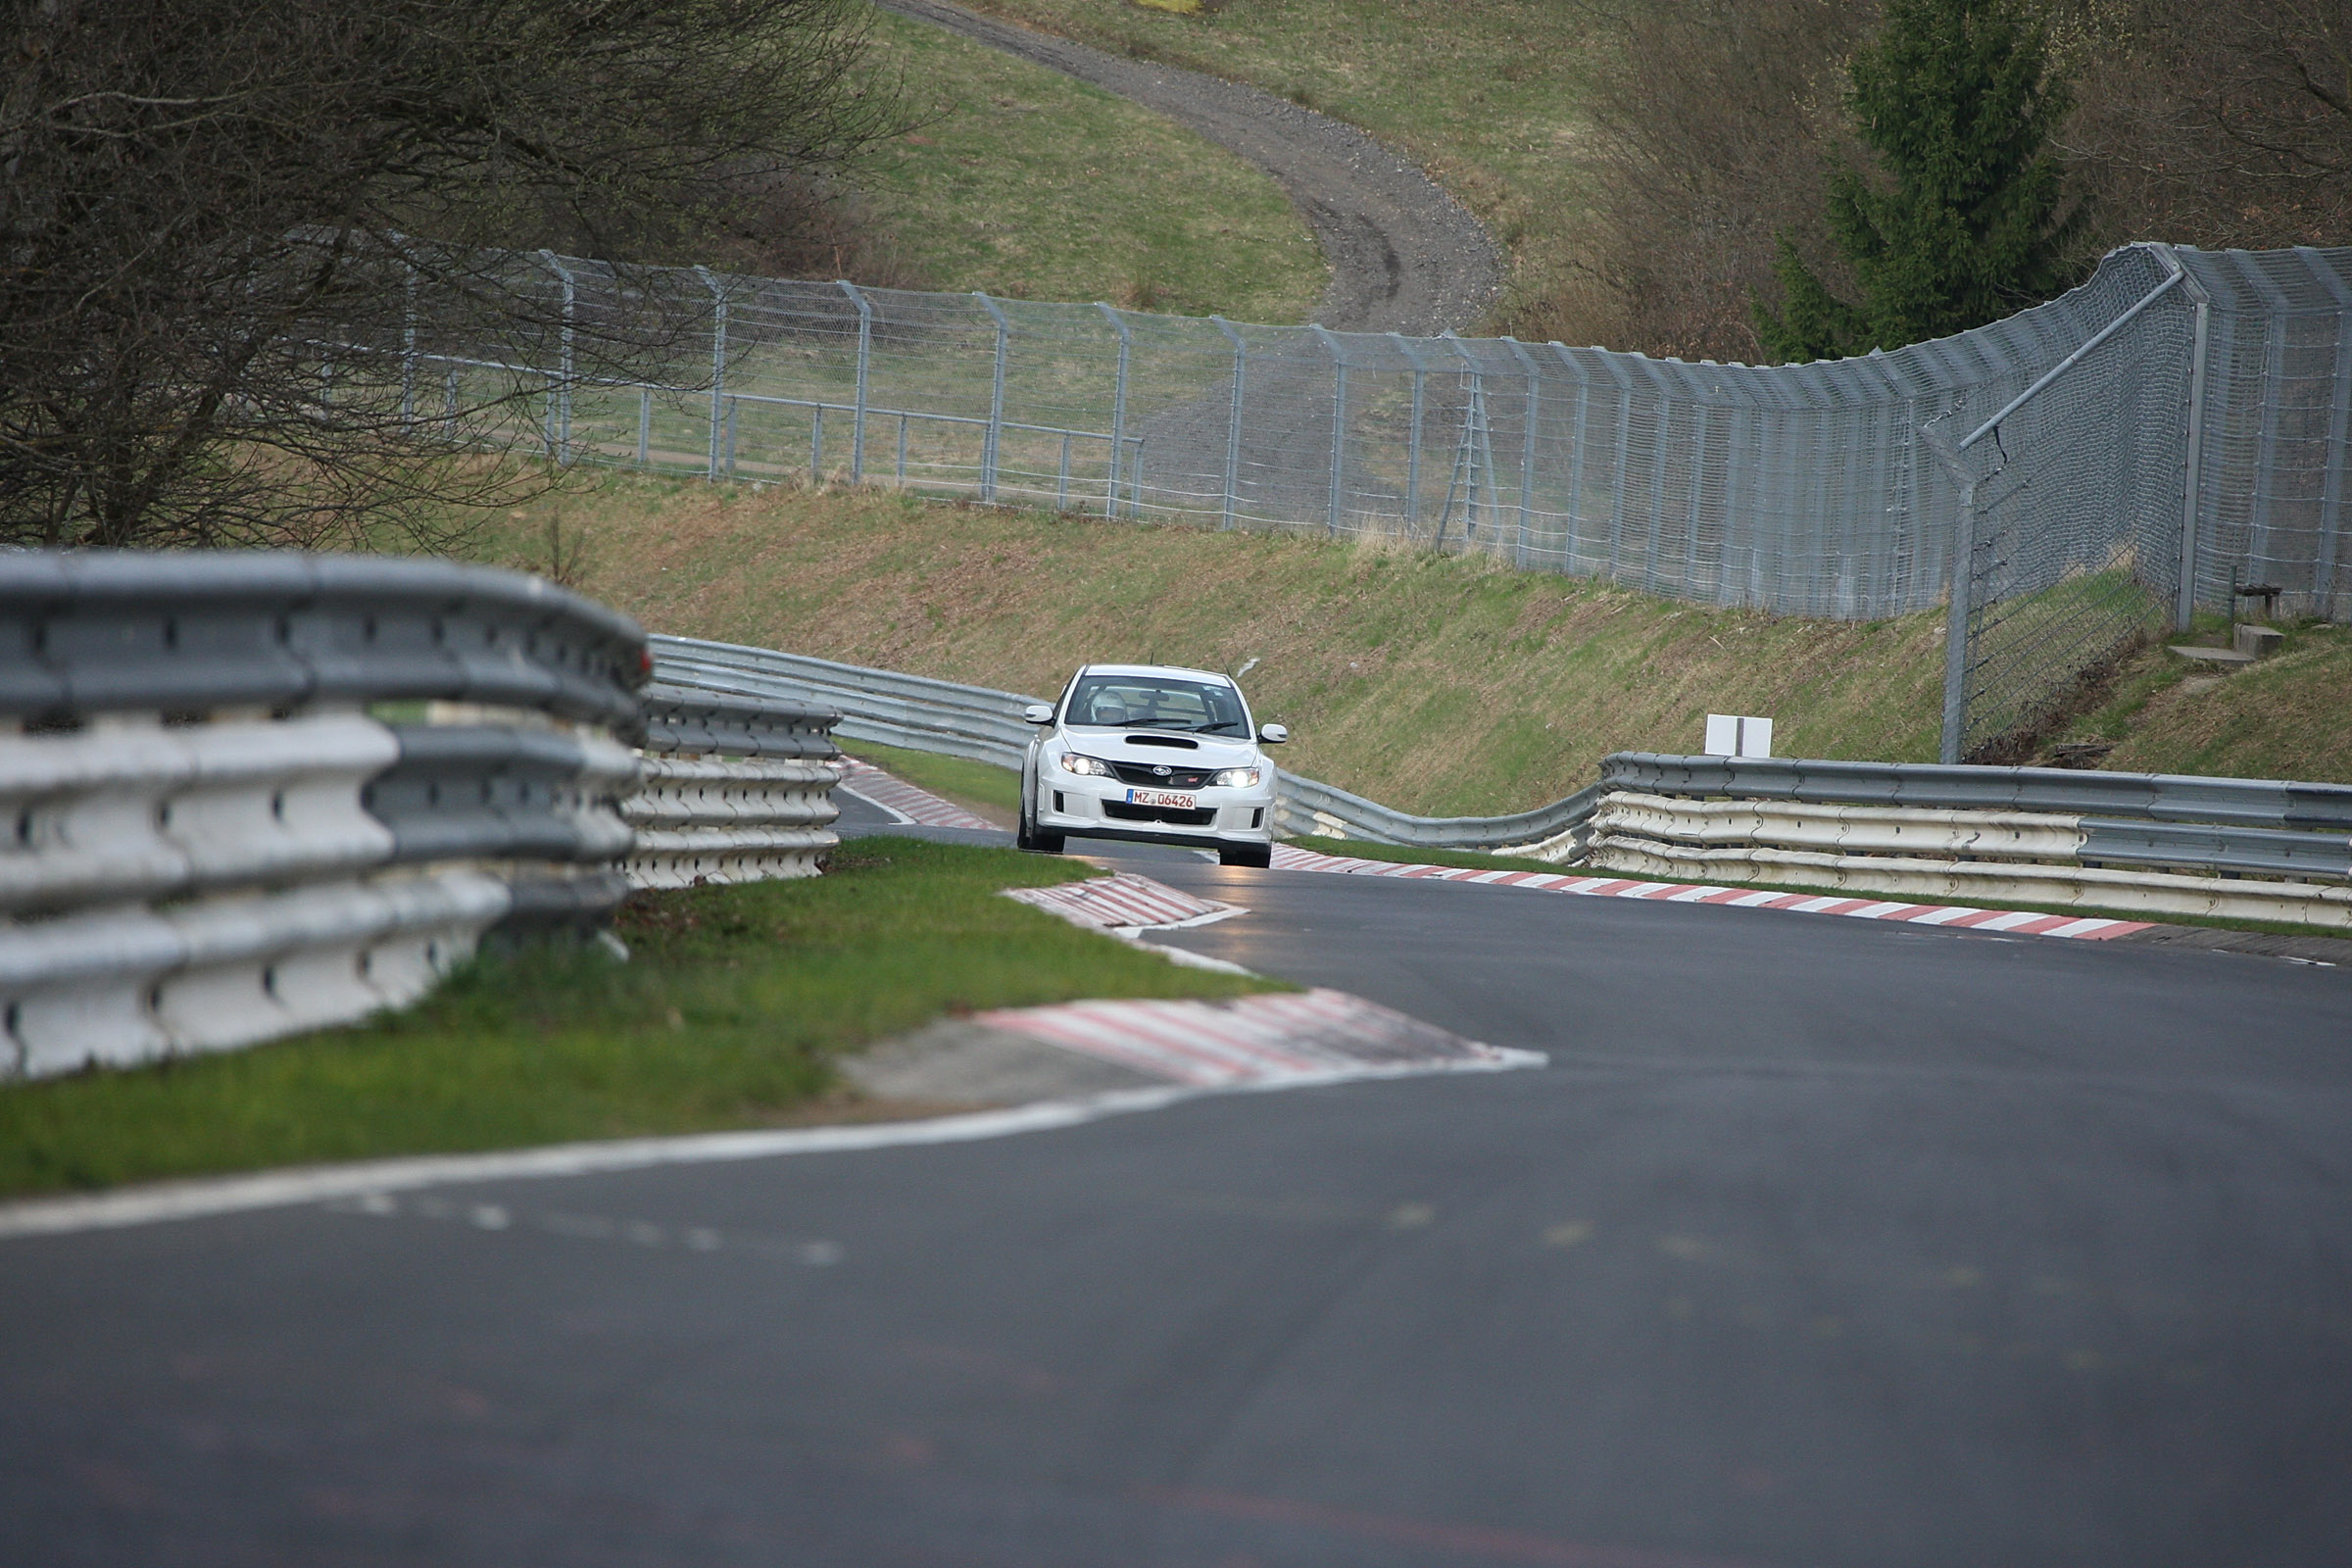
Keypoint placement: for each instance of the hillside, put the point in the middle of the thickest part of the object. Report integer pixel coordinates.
(1445, 685)
(1023, 183)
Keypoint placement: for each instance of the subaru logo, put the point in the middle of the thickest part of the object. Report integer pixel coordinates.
(1161, 770)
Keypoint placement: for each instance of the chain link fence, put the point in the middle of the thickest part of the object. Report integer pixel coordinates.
(2175, 425)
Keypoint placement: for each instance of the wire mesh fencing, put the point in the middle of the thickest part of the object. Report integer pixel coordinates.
(2175, 425)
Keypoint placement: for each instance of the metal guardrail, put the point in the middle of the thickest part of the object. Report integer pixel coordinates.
(213, 843)
(734, 789)
(213, 839)
(915, 711)
(2260, 849)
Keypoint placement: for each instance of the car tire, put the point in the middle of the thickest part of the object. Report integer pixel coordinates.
(1260, 855)
(1025, 837)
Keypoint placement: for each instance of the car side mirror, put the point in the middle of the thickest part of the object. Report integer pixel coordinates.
(1273, 734)
(1038, 713)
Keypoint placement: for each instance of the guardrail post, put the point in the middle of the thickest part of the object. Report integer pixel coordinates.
(1338, 427)
(1412, 449)
(718, 361)
(902, 449)
(1233, 422)
(1118, 406)
(866, 343)
(562, 410)
(816, 445)
(995, 400)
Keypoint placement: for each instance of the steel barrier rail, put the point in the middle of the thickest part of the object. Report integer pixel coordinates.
(2270, 848)
(974, 722)
(185, 632)
(983, 725)
(212, 843)
(1982, 835)
(735, 789)
(2000, 881)
(2157, 797)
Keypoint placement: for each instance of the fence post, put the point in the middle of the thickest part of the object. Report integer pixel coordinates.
(1118, 409)
(866, 343)
(1233, 422)
(1338, 427)
(718, 364)
(2339, 416)
(1526, 445)
(1575, 530)
(562, 410)
(645, 425)
(2193, 482)
(1958, 602)
(1412, 448)
(996, 401)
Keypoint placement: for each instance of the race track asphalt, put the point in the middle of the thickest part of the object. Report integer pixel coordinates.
(1820, 1242)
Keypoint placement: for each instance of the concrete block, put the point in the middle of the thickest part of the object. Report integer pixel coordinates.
(2224, 657)
(2258, 642)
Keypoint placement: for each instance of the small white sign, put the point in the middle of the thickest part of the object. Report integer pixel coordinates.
(1730, 735)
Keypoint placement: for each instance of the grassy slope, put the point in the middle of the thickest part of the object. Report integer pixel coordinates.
(1483, 95)
(1028, 184)
(726, 1017)
(2289, 716)
(1441, 685)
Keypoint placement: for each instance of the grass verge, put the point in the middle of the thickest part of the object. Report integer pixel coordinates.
(1026, 183)
(1487, 97)
(1439, 685)
(728, 1016)
(2288, 716)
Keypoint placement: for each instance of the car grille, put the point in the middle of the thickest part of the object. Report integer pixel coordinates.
(1175, 778)
(1121, 811)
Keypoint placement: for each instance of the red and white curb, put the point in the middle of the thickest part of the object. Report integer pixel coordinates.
(1124, 904)
(1964, 916)
(901, 800)
(1273, 1041)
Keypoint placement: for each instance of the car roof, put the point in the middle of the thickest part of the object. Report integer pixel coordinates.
(1156, 670)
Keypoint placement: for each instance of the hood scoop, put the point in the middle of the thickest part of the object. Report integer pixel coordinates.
(1163, 740)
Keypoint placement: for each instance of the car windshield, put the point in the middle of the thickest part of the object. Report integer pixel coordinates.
(1157, 702)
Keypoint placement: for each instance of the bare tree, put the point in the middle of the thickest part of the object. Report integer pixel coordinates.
(231, 232)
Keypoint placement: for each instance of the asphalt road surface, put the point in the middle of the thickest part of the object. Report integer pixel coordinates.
(1820, 1242)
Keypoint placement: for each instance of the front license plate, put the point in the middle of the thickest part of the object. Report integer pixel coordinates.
(1168, 798)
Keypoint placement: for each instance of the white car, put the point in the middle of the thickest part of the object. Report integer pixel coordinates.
(1152, 754)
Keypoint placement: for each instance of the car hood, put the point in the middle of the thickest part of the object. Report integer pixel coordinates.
(1119, 746)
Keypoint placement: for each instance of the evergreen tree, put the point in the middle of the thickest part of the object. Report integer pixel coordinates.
(1958, 100)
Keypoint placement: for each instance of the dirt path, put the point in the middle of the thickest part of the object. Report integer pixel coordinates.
(1405, 257)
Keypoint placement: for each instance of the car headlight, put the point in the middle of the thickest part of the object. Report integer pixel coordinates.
(1236, 778)
(1091, 766)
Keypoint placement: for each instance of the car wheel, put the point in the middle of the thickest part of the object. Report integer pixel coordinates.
(1260, 855)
